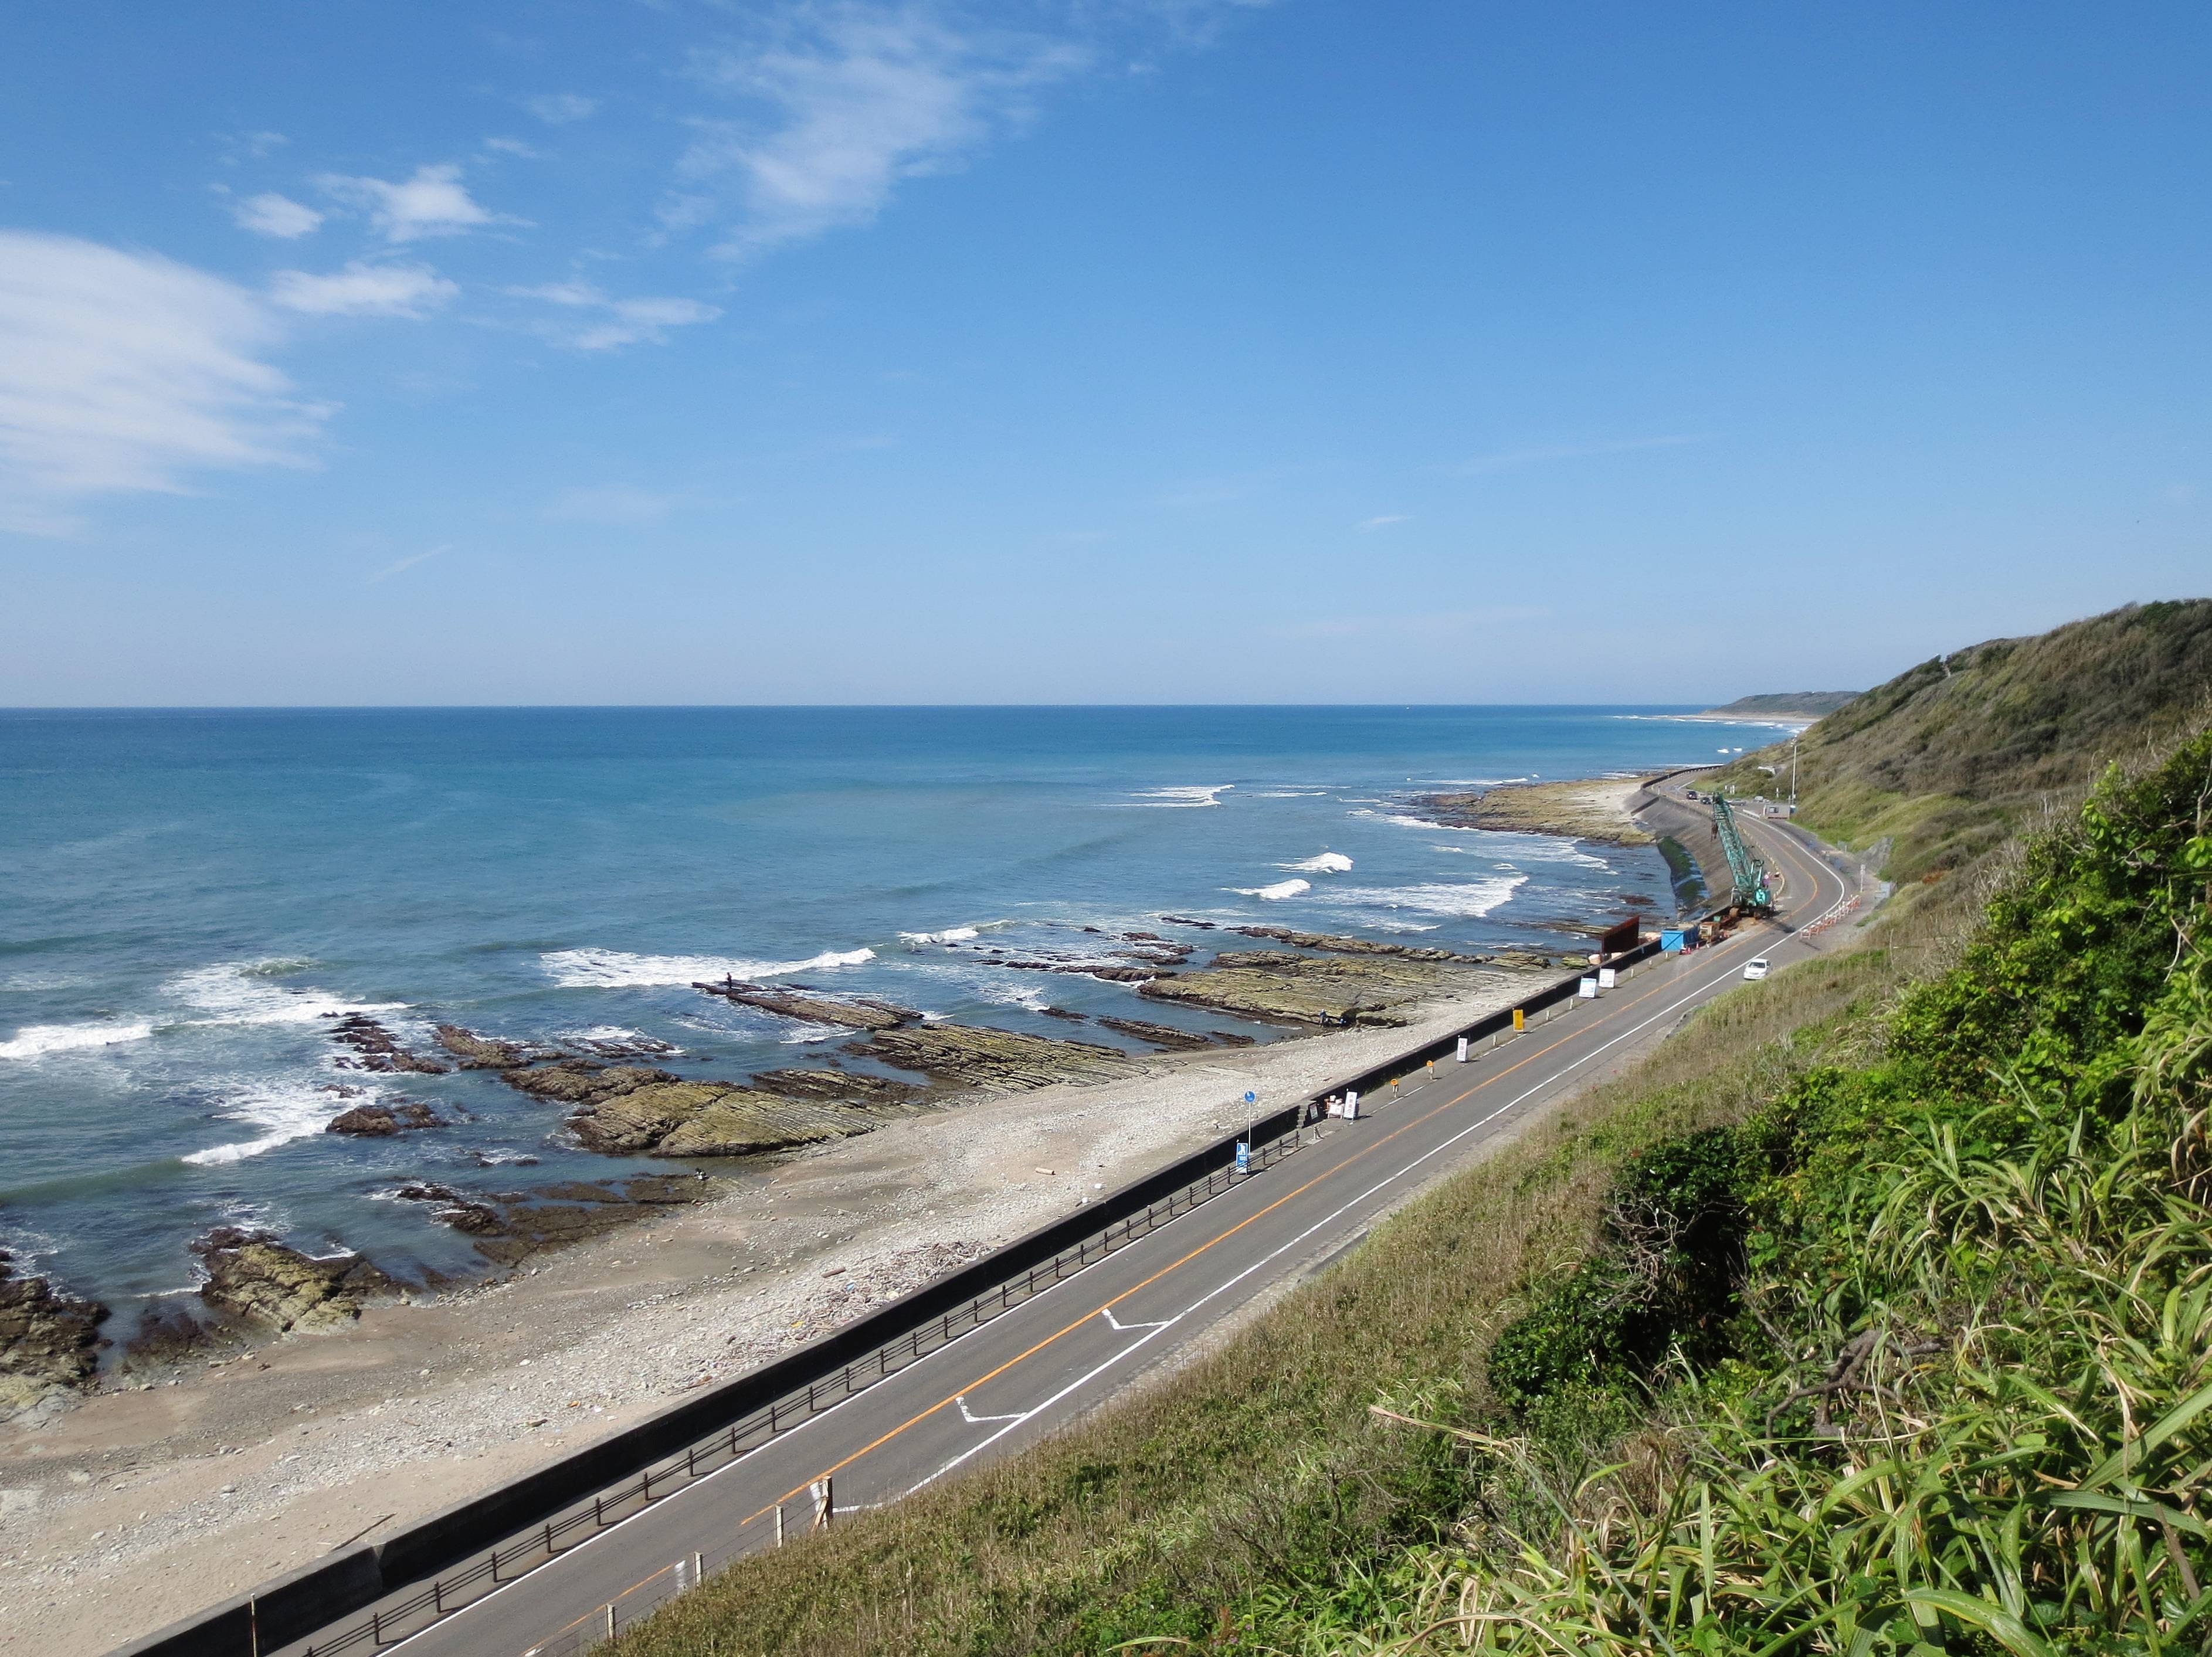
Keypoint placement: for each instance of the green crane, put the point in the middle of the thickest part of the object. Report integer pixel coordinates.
(1750, 878)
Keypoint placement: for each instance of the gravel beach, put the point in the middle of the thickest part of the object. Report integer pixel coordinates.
(139, 1506)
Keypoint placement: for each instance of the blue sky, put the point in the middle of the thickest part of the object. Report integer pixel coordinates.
(1088, 350)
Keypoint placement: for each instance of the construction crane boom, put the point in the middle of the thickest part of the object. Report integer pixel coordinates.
(1750, 878)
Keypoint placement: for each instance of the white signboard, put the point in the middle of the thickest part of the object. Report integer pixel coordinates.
(1462, 1049)
(1351, 1104)
(1606, 979)
(1590, 989)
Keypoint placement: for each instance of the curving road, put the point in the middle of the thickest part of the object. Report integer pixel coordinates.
(1074, 1345)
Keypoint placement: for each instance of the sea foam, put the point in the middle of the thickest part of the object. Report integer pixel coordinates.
(614, 969)
(1276, 893)
(37, 1040)
(1181, 798)
(244, 993)
(283, 1111)
(1470, 900)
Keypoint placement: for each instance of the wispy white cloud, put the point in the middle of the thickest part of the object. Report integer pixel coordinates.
(617, 504)
(515, 147)
(844, 102)
(433, 203)
(390, 570)
(122, 373)
(604, 322)
(1385, 520)
(1513, 459)
(559, 108)
(363, 290)
(251, 147)
(272, 215)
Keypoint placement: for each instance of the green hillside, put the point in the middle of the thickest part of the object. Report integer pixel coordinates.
(1806, 704)
(1947, 758)
(1872, 1315)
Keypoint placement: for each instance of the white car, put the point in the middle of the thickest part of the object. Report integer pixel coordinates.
(1755, 968)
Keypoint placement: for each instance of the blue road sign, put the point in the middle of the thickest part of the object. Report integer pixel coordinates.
(1251, 1098)
(1244, 1156)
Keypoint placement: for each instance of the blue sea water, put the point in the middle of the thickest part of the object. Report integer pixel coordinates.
(184, 896)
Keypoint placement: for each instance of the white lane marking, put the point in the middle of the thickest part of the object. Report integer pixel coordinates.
(1082, 1381)
(974, 1420)
(666, 1504)
(1125, 1327)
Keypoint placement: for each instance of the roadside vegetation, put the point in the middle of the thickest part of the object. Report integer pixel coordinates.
(1872, 1314)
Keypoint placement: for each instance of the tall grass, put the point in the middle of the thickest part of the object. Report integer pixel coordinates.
(1259, 1464)
(1971, 1406)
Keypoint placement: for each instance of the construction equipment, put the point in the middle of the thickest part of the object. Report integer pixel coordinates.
(1750, 878)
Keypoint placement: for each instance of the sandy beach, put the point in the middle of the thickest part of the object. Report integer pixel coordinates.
(139, 1506)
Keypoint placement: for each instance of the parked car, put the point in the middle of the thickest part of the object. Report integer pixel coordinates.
(1755, 968)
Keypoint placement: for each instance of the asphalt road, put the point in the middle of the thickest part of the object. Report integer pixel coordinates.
(1029, 1372)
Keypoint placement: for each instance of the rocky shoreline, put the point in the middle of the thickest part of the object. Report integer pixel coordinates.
(203, 1468)
(1585, 809)
(613, 1099)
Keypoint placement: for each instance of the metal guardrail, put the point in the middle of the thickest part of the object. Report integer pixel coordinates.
(446, 1594)
(282, 1615)
(681, 1575)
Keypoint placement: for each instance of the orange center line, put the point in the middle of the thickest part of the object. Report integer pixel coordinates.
(1174, 1266)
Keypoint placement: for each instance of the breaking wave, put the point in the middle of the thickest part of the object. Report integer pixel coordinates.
(615, 969)
(1180, 797)
(37, 1040)
(283, 1111)
(243, 992)
(1468, 902)
(1276, 893)
(1329, 862)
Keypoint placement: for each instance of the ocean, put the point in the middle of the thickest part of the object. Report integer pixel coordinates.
(188, 898)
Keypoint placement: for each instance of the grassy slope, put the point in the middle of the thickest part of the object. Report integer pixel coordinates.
(1258, 1469)
(1946, 759)
(1957, 1394)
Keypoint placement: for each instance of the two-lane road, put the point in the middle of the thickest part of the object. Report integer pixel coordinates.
(1030, 1371)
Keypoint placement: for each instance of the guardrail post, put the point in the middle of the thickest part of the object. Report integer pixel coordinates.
(819, 1490)
(779, 1523)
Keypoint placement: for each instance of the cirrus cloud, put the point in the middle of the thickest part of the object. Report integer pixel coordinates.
(363, 290)
(609, 322)
(125, 373)
(272, 215)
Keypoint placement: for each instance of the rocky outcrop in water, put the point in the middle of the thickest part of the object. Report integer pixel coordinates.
(858, 1012)
(1337, 943)
(49, 1339)
(252, 1275)
(1157, 1035)
(480, 1052)
(375, 1047)
(998, 1061)
(509, 1227)
(381, 1122)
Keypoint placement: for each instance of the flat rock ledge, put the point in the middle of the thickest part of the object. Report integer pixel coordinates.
(995, 1061)
(49, 1340)
(623, 1110)
(857, 1012)
(1594, 809)
(507, 1227)
(1328, 991)
(252, 1275)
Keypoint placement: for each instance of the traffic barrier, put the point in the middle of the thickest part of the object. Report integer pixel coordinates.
(541, 1512)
